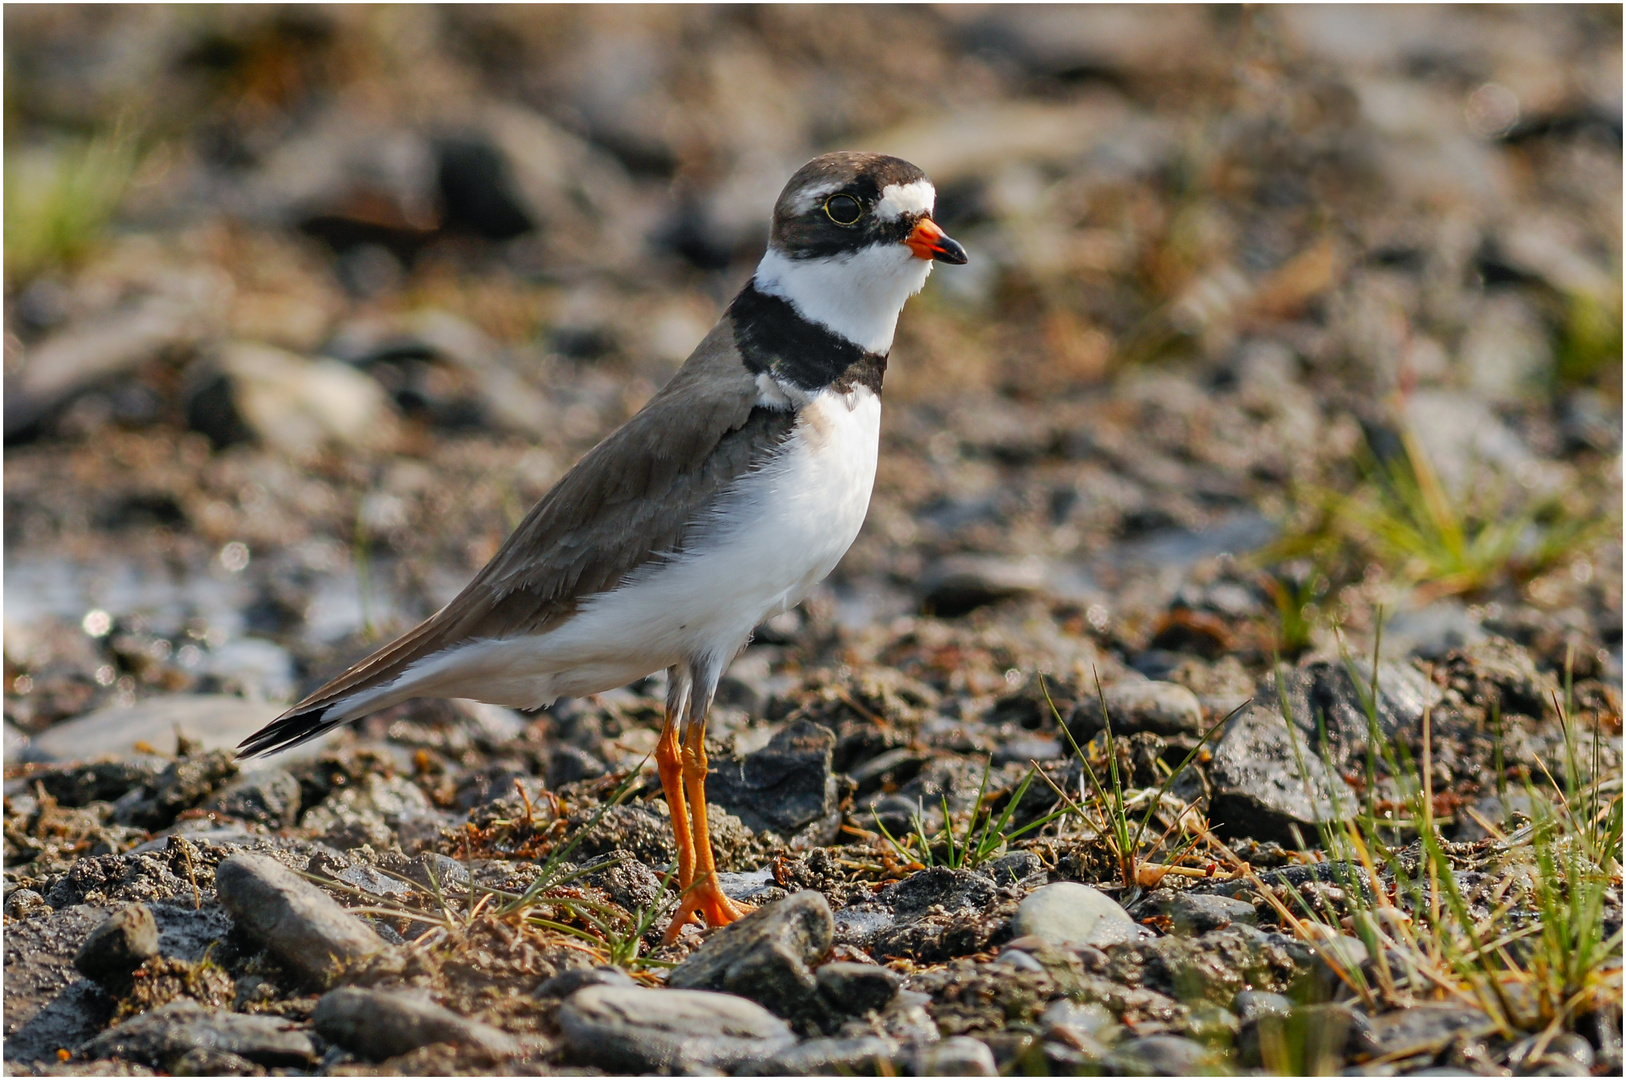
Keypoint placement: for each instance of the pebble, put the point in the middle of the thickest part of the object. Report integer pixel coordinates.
(766, 956)
(959, 584)
(380, 1024)
(1259, 790)
(1161, 1055)
(118, 946)
(306, 929)
(863, 1055)
(1068, 913)
(205, 1061)
(670, 1031)
(1198, 913)
(1162, 708)
(788, 787)
(959, 1055)
(566, 983)
(857, 988)
(1014, 866)
(1426, 1028)
(1018, 959)
(162, 1037)
(269, 796)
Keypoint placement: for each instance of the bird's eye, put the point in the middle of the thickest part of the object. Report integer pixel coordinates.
(843, 209)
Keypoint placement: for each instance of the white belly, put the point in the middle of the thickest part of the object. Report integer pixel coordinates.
(779, 532)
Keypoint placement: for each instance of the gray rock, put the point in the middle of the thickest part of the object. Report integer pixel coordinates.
(766, 956)
(568, 764)
(268, 796)
(1018, 959)
(182, 785)
(960, 1055)
(306, 929)
(1344, 953)
(161, 1037)
(1266, 782)
(1081, 1026)
(1068, 913)
(48, 1005)
(1162, 708)
(938, 886)
(101, 781)
(1014, 866)
(26, 904)
(203, 1061)
(857, 988)
(566, 983)
(1162, 1055)
(958, 584)
(118, 946)
(670, 1031)
(381, 1024)
(1250, 1005)
(1198, 913)
(1426, 1028)
(787, 787)
(1431, 632)
(209, 721)
(863, 1055)
(1332, 694)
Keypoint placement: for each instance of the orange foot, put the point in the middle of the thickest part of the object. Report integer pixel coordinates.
(706, 899)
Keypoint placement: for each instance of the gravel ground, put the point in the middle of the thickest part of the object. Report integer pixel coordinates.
(1290, 336)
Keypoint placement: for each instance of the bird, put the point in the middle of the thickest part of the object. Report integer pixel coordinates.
(718, 505)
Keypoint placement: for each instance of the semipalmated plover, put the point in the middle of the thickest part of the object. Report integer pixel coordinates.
(720, 504)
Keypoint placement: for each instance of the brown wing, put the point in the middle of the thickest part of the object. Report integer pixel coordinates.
(629, 500)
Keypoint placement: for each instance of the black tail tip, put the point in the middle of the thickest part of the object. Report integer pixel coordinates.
(286, 732)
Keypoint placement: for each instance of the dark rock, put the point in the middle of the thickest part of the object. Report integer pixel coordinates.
(959, 1055)
(268, 796)
(670, 1031)
(1014, 866)
(1161, 708)
(101, 781)
(1332, 696)
(567, 764)
(566, 983)
(1425, 1028)
(1198, 913)
(953, 890)
(181, 786)
(204, 1061)
(118, 946)
(161, 1037)
(857, 988)
(380, 1024)
(306, 929)
(787, 787)
(766, 956)
(863, 1055)
(629, 882)
(631, 828)
(1266, 781)
(959, 584)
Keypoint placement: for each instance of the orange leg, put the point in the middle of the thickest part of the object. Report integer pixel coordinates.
(705, 896)
(669, 760)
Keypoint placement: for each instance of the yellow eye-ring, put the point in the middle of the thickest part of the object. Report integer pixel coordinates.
(843, 209)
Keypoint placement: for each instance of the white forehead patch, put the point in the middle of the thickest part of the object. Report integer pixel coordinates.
(812, 195)
(898, 200)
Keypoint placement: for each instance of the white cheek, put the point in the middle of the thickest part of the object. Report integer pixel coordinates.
(858, 296)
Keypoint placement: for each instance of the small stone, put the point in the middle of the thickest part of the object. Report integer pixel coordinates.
(1250, 1005)
(788, 787)
(865, 1055)
(118, 946)
(669, 1031)
(568, 764)
(766, 956)
(1162, 708)
(25, 904)
(960, 1055)
(1089, 1018)
(162, 1037)
(1268, 783)
(1014, 866)
(959, 584)
(1067, 913)
(939, 886)
(857, 988)
(1021, 961)
(1426, 1028)
(302, 925)
(380, 1024)
(185, 783)
(566, 983)
(1198, 913)
(1162, 1055)
(203, 1061)
(268, 796)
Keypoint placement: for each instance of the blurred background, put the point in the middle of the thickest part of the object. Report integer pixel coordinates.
(1280, 323)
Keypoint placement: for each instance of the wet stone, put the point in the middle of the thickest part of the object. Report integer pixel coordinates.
(1259, 790)
(568, 764)
(48, 1005)
(670, 1031)
(1067, 913)
(788, 787)
(161, 1037)
(1014, 866)
(857, 988)
(302, 925)
(1162, 708)
(118, 946)
(268, 796)
(766, 956)
(381, 1024)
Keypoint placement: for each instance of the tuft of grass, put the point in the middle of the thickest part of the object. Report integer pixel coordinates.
(986, 835)
(1589, 341)
(59, 201)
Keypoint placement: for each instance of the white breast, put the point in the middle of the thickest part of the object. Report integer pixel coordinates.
(777, 533)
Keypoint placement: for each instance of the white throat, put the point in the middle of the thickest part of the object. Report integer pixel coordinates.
(858, 296)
